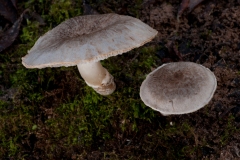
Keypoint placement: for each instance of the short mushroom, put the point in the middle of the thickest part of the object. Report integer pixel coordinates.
(84, 41)
(178, 88)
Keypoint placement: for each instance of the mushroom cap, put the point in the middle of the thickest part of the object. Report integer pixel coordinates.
(87, 39)
(178, 88)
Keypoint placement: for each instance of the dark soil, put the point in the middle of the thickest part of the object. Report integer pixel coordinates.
(209, 35)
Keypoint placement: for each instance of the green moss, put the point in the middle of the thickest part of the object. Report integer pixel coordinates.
(136, 8)
(61, 10)
(229, 130)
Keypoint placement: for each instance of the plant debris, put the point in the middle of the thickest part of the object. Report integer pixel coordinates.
(9, 36)
(8, 10)
(187, 4)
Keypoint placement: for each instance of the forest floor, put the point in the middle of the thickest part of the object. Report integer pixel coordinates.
(52, 114)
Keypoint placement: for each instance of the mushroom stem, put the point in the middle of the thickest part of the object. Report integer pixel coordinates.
(97, 77)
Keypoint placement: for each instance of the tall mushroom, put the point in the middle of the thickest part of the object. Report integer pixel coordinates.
(84, 41)
(178, 88)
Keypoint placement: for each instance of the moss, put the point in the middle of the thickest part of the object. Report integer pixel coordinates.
(229, 130)
(61, 10)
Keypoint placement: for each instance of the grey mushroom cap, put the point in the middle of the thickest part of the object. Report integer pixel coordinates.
(178, 88)
(87, 39)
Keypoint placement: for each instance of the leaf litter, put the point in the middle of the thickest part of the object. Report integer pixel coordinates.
(9, 36)
(187, 4)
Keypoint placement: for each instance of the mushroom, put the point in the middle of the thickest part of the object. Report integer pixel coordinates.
(84, 41)
(178, 88)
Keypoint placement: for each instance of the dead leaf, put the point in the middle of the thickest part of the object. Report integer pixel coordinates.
(193, 3)
(187, 4)
(8, 37)
(8, 11)
(182, 8)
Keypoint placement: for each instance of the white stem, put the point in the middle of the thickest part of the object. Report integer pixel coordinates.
(97, 77)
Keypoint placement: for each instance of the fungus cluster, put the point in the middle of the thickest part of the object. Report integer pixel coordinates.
(84, 41)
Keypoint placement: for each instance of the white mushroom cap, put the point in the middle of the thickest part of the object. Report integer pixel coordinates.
(87, 39)
(178, 88)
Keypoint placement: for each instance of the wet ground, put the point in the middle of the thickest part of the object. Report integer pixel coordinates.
(209, 35)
